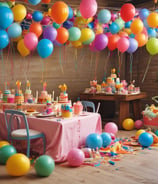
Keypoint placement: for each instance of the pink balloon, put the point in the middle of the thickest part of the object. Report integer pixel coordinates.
(75, 157)
(123, 44)
(88, 8)
(111, 127)
(138, 124)
(46, 20)
(30, 40)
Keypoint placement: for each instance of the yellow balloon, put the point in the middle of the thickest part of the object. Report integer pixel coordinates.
(22, 49)
(152, 19)
(128, 124)
(3, 143)
(86, 34)
(139, 132)
(18, 165)
(19, 12)
(77, 44)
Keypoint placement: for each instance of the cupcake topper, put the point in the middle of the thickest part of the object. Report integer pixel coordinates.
(63, 87)
(18, 83)
(44, 86)
(28, 84)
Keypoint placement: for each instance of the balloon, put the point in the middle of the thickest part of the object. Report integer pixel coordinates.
(138, 132)
(30, 40)
(19, 12)
(46, 20)
(5, 152)
(4, 4)
(37, 16)
(123, 34)
(6, 17)
(85, 34)
(106, 139)
(128, 24)
(29, 16)
(59, 12)
(50, 33)
(133, 45)
(36, 28)
(46, 1)
(62, 35)
(111, 127)
(4, 143)
(145, 139)
(112, 43)
(18, 165)
(101, 41)
(34, 2)
(141, 39)
(92, 47)
(128, 124)
(127, 12)
(152, 19)
(151, 32)
(143, 13)
(123, 44)
(23, 50)
(56, 25)
(4, 39)
(152, 46)
(75, 157)
(14, 30)
(45, 48)
(44, 165)
(138, 124)
(114, 28)
(120, 23)
(94, 141)
(91, 39)
(74, 33)
(67, 24)
(70, 15)
(77, 44)
(104, 16)
(88, 8)
(137, 26)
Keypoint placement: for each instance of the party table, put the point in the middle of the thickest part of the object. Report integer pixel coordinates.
(62, 134)
(123, 102)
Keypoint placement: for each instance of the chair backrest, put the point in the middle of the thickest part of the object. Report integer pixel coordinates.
(11, 116)
(88, 106)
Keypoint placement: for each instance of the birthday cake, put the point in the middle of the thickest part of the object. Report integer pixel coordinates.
(63, 97)
(19, 97)
(66, 111)
(28, 92)
(5, 95)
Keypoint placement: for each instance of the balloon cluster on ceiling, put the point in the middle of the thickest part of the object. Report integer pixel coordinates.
(125, 30)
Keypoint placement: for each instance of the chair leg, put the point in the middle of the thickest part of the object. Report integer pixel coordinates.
(28, 148)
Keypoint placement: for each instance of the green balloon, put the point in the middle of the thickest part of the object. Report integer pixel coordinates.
(6, 152)
(74, 33)
(152, 46)
(55, 25)
(44, 165)
(90, 40)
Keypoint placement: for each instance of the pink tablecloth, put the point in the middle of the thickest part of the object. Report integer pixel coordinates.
(62, 134)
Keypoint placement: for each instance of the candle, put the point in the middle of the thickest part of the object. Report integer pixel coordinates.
(53, 96)
(36, 95)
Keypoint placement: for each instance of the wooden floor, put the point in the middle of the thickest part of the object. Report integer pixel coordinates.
(138, 168)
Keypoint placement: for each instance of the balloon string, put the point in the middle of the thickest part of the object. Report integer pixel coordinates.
(147, 68)
(106, 61)
(12, 61)
(96, 65)
(119, 68)
(42, 70)
(82, 55)
(131, 67)
(76, 66)
(60, 59)
(91, 59)
(3, 67)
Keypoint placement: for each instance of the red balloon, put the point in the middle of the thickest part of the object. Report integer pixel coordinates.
(112, 43)
(127, 12)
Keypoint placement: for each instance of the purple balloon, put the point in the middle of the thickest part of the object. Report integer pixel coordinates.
(101, 41)
(50, 33)
(133, 45)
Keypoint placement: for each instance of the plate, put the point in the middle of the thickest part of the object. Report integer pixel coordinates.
(41, 115)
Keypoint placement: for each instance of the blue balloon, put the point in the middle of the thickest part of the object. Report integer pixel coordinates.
(128, 24)
(94, 141)
(106, 139)
(14, 30)
(143, 13)
(133, 45)
(68, 24)
(151, 32)
(145, 139)
(37, 16)
(6, 17)
(104, 16)
(114, 28)
(45, 48)
(34, 2)
(4, 39)
(71, 13)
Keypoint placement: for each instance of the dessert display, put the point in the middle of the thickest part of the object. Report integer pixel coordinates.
(44, 96)
(19, 97)
(5, 95)
(66, 111)
(28, 93)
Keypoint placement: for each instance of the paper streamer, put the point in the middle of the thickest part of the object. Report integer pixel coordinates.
(147, 68)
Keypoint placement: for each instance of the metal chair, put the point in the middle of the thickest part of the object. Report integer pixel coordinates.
(88, 106)
(21, 131)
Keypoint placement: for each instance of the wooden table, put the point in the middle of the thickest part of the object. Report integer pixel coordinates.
(123, 101)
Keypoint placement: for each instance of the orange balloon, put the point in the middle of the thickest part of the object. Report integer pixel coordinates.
(141, 39)
(152, 19)
(123, 34)
(112, 43)
(36, 28)
(62, 35)
(59, 12)
(127, 30)
(137, 26)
